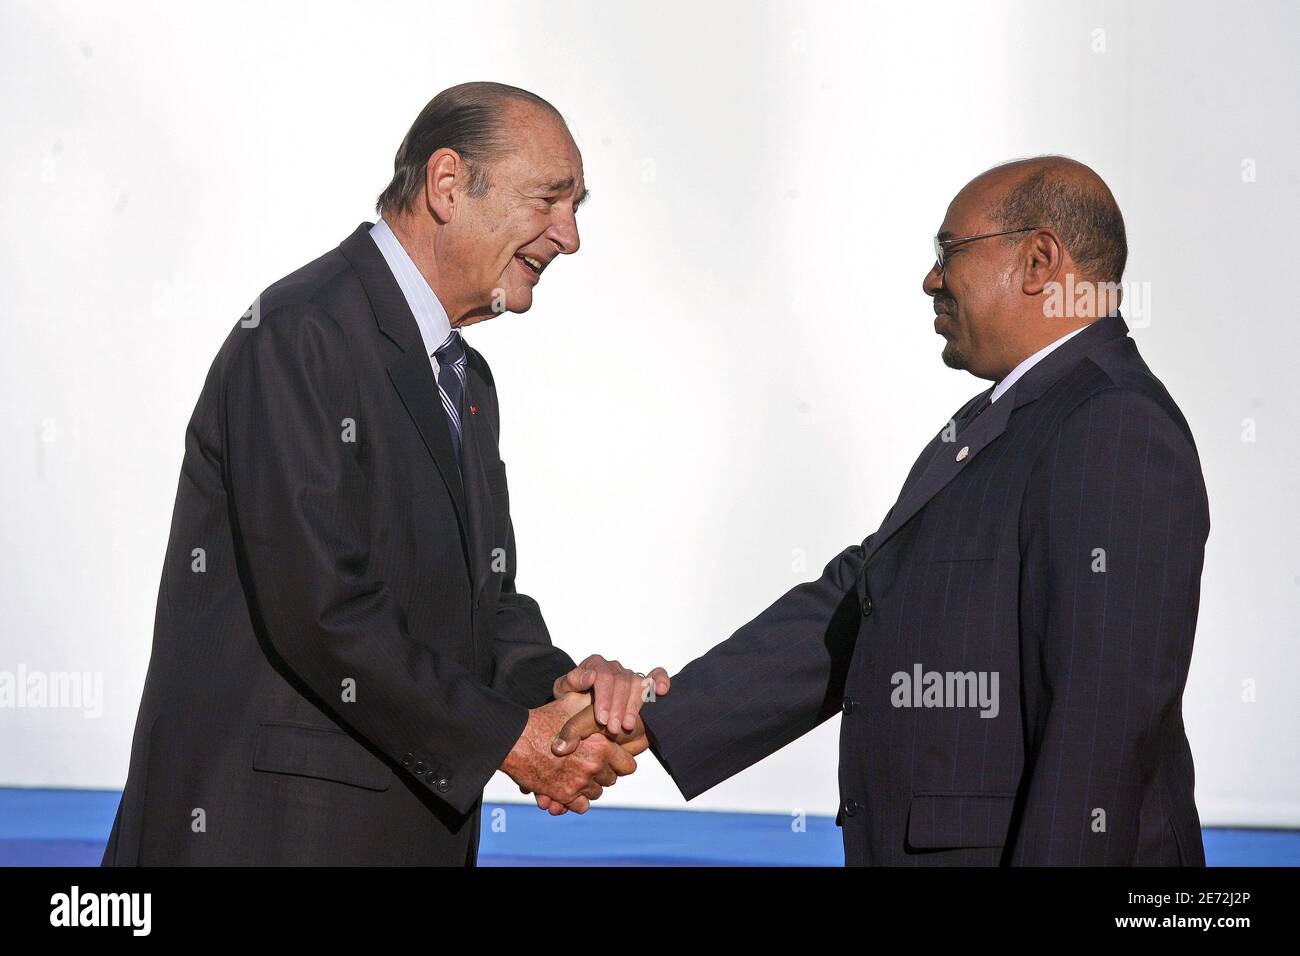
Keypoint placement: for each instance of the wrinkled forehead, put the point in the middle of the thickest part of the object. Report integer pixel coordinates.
(543, 151)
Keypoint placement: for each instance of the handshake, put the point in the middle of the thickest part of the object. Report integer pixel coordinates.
(584, 740)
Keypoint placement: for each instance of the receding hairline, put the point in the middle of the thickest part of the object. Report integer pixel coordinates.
(501, 110)
(1004, 177)
(1056, 192)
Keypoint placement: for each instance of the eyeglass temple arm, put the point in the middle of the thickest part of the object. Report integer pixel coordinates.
(985, 235)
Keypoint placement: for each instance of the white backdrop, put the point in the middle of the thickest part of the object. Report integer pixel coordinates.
(729, 382)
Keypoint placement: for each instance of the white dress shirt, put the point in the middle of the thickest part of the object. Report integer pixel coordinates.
(1001, 388)
(429, 314)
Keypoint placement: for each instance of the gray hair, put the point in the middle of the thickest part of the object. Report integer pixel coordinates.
(465, 118)
(1070, 197)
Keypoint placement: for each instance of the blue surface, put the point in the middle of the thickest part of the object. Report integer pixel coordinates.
(70, 827)
(611, 836)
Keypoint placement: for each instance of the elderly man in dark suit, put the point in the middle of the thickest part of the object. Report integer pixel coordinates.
(341, 659)
(1009, 650)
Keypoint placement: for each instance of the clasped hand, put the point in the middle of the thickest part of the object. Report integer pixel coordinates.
(584, 740)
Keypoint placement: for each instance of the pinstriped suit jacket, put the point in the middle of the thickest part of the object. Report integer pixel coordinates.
(1053, 549)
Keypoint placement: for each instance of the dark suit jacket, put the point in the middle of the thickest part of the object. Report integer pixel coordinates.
(1057, 542)
(341, 668)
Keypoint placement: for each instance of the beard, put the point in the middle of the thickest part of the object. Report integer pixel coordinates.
(954, 357)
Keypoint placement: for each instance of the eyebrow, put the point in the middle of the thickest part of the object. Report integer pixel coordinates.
(945, 235)
(563, 186)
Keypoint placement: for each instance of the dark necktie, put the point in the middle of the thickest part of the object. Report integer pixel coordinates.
(451, 383)
(979, 410)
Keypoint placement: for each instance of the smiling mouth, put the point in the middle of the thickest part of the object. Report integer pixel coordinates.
(534, 265)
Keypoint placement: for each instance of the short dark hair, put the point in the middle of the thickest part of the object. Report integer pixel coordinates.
(466, 118)
(1072, 199)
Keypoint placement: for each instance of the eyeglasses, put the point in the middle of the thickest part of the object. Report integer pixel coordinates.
(941, 244)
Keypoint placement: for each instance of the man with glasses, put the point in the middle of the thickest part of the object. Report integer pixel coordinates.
(1009, 649)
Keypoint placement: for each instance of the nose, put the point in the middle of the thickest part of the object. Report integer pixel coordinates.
(564, 233)
(933, 280)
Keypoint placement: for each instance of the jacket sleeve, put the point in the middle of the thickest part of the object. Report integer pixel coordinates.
(771, 682)
(299, 502)
(1113, 530)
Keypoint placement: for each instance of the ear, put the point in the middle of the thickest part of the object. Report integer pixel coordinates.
(444, 171)
(1044, 261)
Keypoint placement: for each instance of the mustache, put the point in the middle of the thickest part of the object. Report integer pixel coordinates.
(944, 304)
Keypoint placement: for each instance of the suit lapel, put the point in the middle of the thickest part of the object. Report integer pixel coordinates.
(411, 373)
(947, 459)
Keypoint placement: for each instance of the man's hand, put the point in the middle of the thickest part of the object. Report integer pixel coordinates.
(579, 728)
(583, 725)
(617, 692)
(575, 779)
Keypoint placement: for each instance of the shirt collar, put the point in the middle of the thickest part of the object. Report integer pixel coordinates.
(429, 314)
(1001, 388)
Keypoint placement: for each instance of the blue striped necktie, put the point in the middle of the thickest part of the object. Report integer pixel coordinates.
(451, 383)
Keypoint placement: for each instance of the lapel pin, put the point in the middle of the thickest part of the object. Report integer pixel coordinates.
(473, 409)
(965, 450)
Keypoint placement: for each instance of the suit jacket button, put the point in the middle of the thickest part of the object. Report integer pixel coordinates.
(406, 760)
(866, 605)
(444, 785)
(418, 769)
(849, 704)
(850, 807)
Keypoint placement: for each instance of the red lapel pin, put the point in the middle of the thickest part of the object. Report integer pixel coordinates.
(473, 409)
